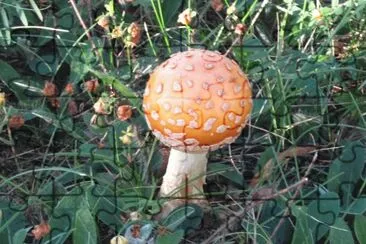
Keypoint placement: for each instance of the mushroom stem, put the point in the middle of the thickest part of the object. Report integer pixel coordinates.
(185, 176)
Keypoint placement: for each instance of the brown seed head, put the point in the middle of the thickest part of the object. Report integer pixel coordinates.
(91, 85)
(124, 112)
(104, 22)
(69, 88)
(217, 5)
(50, 89)
(134, 31)
(72, 107)
(16, 121)
(41, 230)
(240, 29)
(54, 102)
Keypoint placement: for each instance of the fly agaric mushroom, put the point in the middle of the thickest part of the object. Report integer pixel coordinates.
(195, 102)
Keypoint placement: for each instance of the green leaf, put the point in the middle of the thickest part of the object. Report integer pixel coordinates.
(85, 229)
(360, 228)
(36, 9)
(27, 88)
(5, 22)
(12, 219)
(302, 233)
(102, 198)
(64, 215)
(187, 217)
(340, 233)
(358, 206)
(8, 73)
(170, 238)
(21, 14)
(78, 70)
(226, 171)
(313, 221)
(110, 7)
(322, 213)
(45, 65)
(170, 11)
(20, 235)
(346, 170)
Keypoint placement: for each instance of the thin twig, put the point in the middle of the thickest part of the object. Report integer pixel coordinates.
(77, 13)
(13, 148)
(240, 214)
(232, 160)
(311, 165)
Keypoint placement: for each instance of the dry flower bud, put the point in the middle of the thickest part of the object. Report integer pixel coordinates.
(317, 15)
(186, 16)
(240, 29)
(91, 85)
(124, 112)
(54, 102)
(72, 108)
(2, 99)
(16, 121)
(126, 139)
(104, 21)
(69, 88)
(100, 107)
(116, 32)
(50, 89)
(119, 240)
(134, 32)
(217, 5)
(41, 230)
(231, 9)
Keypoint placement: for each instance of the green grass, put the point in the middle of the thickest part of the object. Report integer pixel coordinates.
(308, 121)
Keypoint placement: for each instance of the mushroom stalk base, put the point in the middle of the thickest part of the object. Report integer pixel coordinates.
(184, 177)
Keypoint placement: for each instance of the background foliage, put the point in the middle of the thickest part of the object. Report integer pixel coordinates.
(75, 169)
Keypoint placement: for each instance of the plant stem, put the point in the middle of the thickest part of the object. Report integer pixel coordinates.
(182, 166)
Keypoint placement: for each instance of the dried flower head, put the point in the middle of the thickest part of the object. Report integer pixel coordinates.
(41, 230)
(102, 106)
(240, 29)
(104, 21)
(134, 31)
(54, 102)
(49, 89)
(217, 5)
(91, 85)
(69, 88)
(124, 112)
(186, 16)
(72, 107)
(116, 32)
(16, 121)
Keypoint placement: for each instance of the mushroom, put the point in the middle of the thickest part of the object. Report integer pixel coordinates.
(195, 102)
